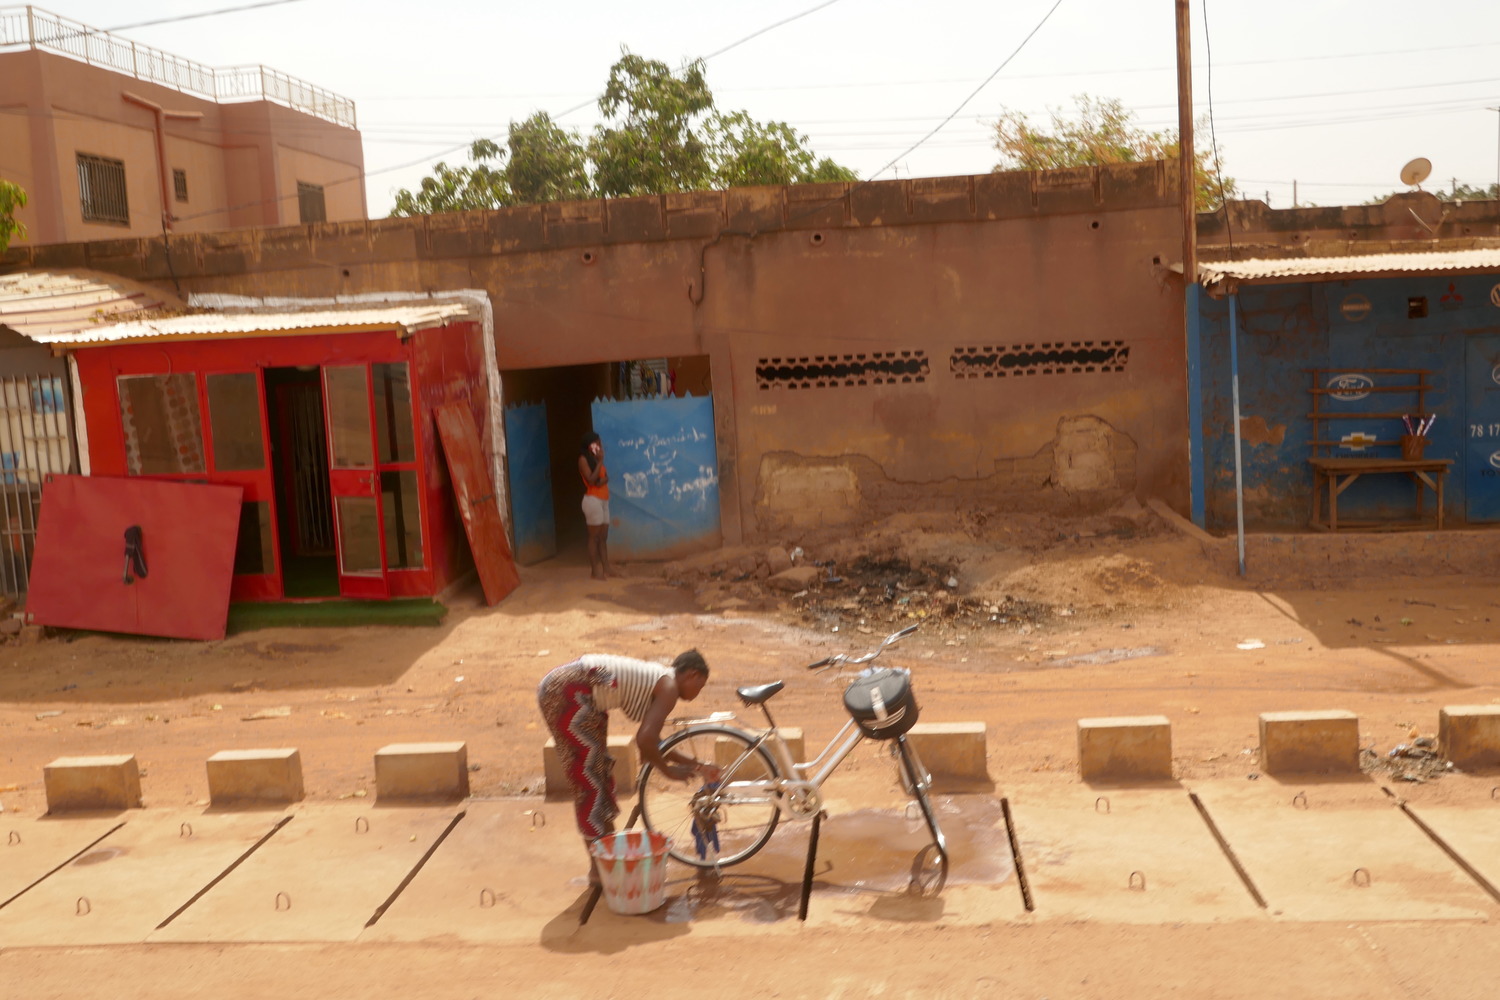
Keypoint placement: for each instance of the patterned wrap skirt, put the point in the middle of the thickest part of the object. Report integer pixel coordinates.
(581, 732)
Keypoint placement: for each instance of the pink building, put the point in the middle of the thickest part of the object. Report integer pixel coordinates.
(113, 139)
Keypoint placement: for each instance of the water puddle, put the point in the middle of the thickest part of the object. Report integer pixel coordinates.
(864, 852)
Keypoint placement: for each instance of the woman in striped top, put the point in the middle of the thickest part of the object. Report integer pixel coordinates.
(576, 699)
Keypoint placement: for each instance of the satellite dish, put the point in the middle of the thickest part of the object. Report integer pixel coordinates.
(1415, 172)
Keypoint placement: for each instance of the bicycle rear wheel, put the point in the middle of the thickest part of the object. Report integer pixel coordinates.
(723, 825)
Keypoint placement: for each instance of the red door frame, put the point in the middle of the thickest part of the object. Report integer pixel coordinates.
(356, 484)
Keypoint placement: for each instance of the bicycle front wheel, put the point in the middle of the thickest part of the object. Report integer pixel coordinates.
(719, 825)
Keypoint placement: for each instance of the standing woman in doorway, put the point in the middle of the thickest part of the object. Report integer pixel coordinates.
(595, 503)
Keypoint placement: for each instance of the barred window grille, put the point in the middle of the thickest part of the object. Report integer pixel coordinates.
(310, 202)
(101, 189)
(179, 184)
(825, 371)
(1076, 357)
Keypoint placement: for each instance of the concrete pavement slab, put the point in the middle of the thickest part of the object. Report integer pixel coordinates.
(504, 872)
(1339, 850)
(1125, 855)
(119, 890)
(320, 878)
(32, 847)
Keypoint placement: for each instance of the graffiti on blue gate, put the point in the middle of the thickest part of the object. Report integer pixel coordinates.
(663, 467)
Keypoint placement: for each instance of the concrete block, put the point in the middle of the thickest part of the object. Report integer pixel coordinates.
(111, 782)
(1129, 746)
(621, 748)
(239, 776)
(725, 751)
(1293, 742)
(951, 749)
(1469, 735)
(422, 771)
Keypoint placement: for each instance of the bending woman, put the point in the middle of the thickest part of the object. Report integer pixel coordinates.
(575, 700)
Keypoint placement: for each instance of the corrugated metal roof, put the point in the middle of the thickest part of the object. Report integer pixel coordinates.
(212, 325)
(44, 305)
(1443, 261)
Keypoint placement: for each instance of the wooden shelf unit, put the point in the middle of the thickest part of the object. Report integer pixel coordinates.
(1324, 447)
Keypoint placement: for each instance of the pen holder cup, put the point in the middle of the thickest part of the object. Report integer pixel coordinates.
(1412, 447)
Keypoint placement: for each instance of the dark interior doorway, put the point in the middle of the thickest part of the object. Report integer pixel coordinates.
(299, 462)
(568, 393)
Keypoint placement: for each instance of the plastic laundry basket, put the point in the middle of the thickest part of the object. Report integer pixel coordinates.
(633, 869)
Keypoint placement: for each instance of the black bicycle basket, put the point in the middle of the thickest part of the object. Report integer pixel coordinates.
(882, 703)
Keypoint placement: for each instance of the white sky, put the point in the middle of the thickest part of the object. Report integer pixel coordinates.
(1335, 94)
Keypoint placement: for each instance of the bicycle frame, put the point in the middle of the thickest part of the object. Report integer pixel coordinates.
(821, 766)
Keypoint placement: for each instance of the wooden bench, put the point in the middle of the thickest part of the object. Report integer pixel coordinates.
(1338, 474)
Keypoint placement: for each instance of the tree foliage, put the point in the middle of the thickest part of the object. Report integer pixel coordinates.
(12, 197)
(1102, 131)
(662, 132)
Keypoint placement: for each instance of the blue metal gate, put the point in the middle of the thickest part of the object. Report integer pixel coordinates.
(530, 476)
(663, 475)
(1482, 433)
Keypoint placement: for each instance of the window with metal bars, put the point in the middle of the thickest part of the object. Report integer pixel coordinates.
(827, 371)
(310, 202)
(101, 189)
(1073, 357)
(179, 183)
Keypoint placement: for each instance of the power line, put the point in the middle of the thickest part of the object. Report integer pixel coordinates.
(204, 13)
(365, 175)
(973, 94)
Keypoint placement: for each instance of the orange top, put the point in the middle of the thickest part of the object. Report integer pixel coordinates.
(601, 491)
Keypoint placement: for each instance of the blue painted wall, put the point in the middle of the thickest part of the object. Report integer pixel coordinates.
(663, 475)
(1353, 326)
(530, 474)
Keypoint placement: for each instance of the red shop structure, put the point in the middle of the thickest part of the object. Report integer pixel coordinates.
(325, 419)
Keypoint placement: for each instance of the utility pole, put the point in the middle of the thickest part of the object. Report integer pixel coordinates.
(1185, 158)
(1294, 192)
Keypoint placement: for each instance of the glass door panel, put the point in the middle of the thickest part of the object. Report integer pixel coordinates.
(237, 435)
(354, 481)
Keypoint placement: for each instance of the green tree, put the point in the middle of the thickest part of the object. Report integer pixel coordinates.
(1102, 131)
(662, 132)
(11, 199)
(458, 189)
(546, 162)
(652, 143)
(746, 152)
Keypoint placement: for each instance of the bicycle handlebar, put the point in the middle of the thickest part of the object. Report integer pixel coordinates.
(839, 658)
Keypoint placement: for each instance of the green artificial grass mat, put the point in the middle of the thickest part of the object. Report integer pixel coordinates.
(250, 615)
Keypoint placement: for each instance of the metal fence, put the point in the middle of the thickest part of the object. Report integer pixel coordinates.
(36, 440)
(38, 29)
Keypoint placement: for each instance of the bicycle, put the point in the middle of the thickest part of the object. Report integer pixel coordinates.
(725, 822)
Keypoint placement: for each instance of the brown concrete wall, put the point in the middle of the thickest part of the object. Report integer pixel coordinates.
(950, 270)
(71, 107)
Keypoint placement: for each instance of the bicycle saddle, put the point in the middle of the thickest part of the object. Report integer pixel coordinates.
(760, 693)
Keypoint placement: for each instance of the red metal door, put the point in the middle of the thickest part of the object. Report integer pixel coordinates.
(476, 503)
(81, 576)
(354, 481)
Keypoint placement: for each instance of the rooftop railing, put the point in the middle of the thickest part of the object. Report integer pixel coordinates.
(35, 28)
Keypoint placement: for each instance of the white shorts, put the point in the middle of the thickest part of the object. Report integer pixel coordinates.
(595, 511)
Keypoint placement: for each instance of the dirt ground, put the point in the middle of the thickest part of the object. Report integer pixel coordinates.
(1027, 622)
